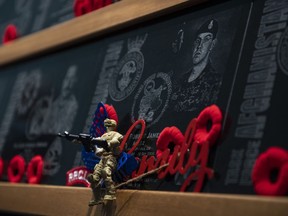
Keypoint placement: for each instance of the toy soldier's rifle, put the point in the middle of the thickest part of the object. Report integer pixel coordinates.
(86, 140)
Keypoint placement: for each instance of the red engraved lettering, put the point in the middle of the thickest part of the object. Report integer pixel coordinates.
(202, 170)
(129, 132)
(195, 151)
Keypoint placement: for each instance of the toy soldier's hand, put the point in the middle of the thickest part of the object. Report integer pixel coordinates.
(76, 141)
(66, 135)
(99, 151)
(114, 142)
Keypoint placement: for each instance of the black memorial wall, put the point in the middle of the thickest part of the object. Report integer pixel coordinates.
(145, 72)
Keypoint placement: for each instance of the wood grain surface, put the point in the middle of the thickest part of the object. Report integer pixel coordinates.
(61, 200)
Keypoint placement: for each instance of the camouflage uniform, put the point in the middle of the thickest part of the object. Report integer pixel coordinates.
(198, 94)
(107, 165)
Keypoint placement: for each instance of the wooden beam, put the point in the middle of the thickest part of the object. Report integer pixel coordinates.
(61, 200)
(105, 20)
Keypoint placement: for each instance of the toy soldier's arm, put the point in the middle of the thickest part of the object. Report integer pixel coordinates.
(100, 143)
(86, 140)
(116, 141)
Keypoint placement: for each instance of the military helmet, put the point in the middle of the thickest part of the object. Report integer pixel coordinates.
(110, 123)
(209, 26)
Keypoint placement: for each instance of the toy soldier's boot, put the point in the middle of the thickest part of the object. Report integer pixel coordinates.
(111, 192)
(97, 174)
(97, 196)
(109, 183)
(94, 179)
(110, 188)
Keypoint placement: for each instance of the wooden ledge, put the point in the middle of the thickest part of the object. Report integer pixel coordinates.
(105, 20)
(61, 200)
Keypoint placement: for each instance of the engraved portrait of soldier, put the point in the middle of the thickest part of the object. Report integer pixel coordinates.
(50, 116)
(31, 83)
(200, 84)
(64, 108)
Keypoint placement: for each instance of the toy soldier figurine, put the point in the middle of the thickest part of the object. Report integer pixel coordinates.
(107, 165)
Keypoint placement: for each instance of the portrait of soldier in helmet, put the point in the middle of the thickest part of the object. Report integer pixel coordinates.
(200, 84)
